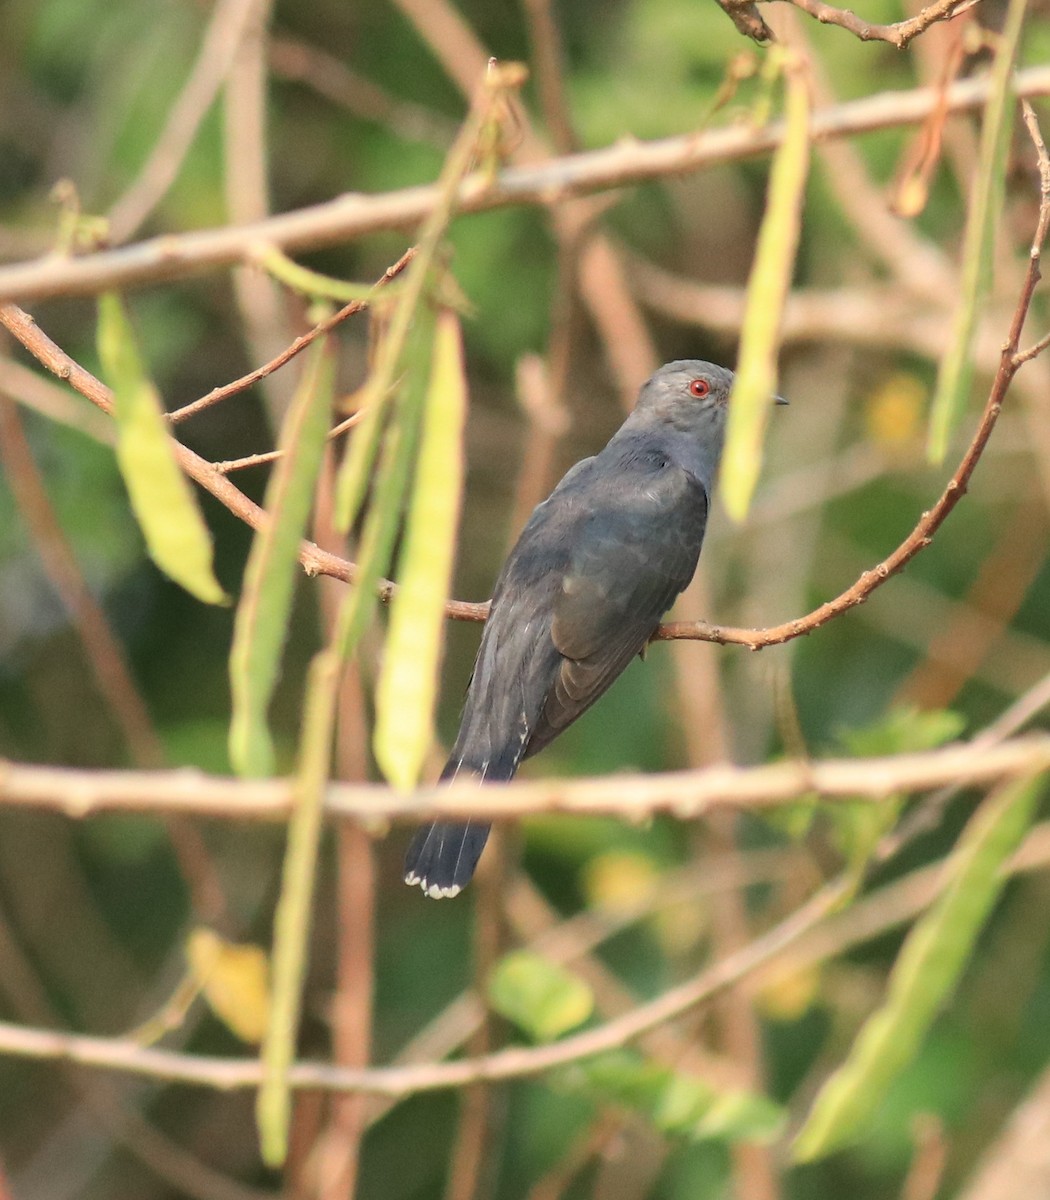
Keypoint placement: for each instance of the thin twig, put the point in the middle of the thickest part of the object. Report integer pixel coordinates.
(545, 184)
(899, 34)
(317, 561)
(547, 57)
(230, 465)
(319, 330)
(1023, 356)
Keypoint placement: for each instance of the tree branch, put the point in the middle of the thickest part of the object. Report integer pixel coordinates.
(685, 794)
(898, 34)
(120, 1054)
(748, 20)
(353, 215)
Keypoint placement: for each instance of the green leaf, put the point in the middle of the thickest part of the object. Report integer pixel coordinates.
(540, 997)
(904, 729)
(927, 968)
(312, 283)
(161, 497)
(397, 455)
(955, 373)
(756, 379)
(407, 688)
(292, 921)
(261, 623)
(679, 1104)
(354, 474)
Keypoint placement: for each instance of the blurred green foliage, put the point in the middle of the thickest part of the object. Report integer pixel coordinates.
(93, 915)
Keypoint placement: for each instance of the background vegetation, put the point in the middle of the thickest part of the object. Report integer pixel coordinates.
(569, 303)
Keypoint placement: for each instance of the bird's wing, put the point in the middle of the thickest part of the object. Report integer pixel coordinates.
(632, 556)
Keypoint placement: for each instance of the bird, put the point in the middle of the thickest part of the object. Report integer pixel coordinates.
(582, 591)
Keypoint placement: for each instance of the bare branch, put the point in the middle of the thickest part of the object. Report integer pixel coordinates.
(872, 315)
(268, 456)
(331, 78)
(899, 34)
(119, 1054)
(318, 561)
(548, 183)
(548, 67)
(685, 794)
(34, 391)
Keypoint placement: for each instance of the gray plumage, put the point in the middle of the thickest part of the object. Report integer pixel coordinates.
(595, 568)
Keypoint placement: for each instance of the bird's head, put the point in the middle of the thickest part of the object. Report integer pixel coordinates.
(689, 394)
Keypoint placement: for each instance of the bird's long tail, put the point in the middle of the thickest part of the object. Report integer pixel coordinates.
(442, 856)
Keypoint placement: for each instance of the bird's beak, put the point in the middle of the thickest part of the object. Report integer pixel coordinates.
(780, 400)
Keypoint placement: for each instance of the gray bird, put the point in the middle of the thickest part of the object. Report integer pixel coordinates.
(596, 567)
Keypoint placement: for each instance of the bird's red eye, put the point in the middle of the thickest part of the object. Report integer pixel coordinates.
(699, 387)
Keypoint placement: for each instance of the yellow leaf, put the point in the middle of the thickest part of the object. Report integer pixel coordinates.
(235, 981)
(789, 994)
(161, 497)
(894, 411)
(619, 880)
